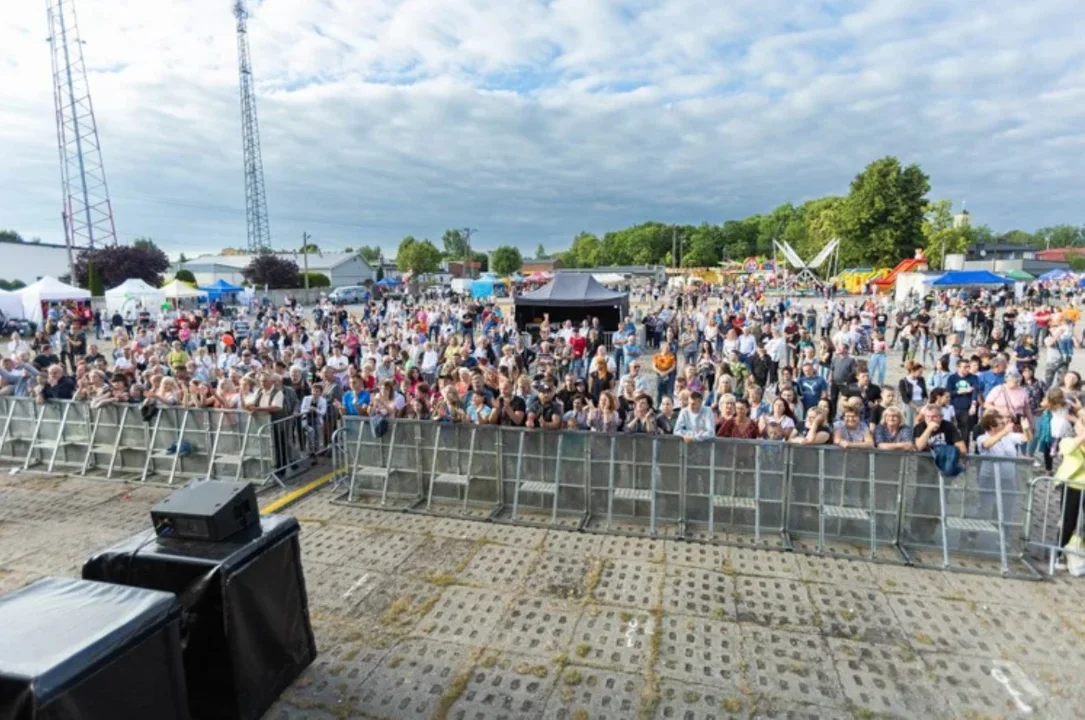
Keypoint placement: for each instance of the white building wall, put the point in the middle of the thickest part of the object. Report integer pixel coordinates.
(352, 272)
(29, 262)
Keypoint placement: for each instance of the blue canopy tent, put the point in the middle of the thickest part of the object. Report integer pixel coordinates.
(1056, 274)
(220, 287)
(388, 283)
(483, 287)
(964, 278)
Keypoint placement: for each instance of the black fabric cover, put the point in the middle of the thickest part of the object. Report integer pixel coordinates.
(246, 613)
(573, 289)
(80, 650)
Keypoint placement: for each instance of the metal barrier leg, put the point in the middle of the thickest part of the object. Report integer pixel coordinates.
(470, 466)
(519, 476)
(557, 481)
(60, 436)
(942, 513)
(117, 442)
(712, 493)
(91, 439)
(354, 463)
(215, 448)
(683, 478)
(148, 464)
(1001, 528)
(872, 510)
(610, 481)
(433, 466)
(654, 474)
(757, 495)
(7, 425)
(388, 465)
(177, 446)
(34, 438)
(821, 499)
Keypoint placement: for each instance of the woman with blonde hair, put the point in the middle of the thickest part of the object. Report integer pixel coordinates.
(605, 418)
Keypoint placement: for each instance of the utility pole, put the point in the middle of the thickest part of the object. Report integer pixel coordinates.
(469, 262)
(674, 245)
(305, 258)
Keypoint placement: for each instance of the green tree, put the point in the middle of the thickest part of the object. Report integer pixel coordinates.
(316, 280)
(185, 276)
(940, 237)
(1077, 263)
(10, 236)
(455, 244)
(274, 271)
(417, 257)
(144, 243)
(882, 220)
(1060, 236)
(371, 253)
(584, 252)
(507, 260)
(94, 281)
(310, 249)
(1020, 237)
(540, 252)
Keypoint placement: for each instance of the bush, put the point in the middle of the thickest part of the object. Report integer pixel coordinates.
(185, 276)
(316, 280)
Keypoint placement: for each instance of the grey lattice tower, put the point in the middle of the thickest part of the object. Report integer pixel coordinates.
(255, 197)
(88, 214)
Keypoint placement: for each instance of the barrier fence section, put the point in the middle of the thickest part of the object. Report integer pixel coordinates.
(117, 443)
(859, 503)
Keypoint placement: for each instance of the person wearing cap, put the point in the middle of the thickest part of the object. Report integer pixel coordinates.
(544, 411)
(696, 422)
(990, 379)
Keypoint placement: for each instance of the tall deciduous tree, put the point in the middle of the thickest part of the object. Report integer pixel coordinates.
(1059, 236)
(940, 237)
(10, 236)
(455, 244)
(116, 263)
(883, 216)
(506, 260)
(371, 253)
(417, 257)
(274, 271)
(540, 252)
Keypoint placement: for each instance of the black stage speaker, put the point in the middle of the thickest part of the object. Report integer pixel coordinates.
(211, 510)
(245, 612)
(79, 650)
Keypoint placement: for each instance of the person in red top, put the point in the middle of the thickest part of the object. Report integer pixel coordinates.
(579, 344)
(1043, 319)
(741, 425)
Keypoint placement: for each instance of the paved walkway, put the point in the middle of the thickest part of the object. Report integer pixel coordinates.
(423, 617)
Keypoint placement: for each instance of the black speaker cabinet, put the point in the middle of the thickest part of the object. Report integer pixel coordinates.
(245, 612)
(80, 650)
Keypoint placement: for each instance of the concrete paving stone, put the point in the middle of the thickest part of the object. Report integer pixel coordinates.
(777, 709)
(897, 579)
(393, 606)
(538, 626)
(932, 624)
(701, 650)
(324, 506)
(20, 539)
(573, 543)
(633, 549)
(498, 566)
(633, 583)
(333, 683)
(855, 612)
(614, 637)
(30, 506)
(337, 589)
(458, 529)
(385, 551)
(1005, 591)
(689, 701)
(410, 680)
(992, 687)
(696, 555)
(1033, 635)
(437, 556)
(595, 694)
(886, 680)
(505, 687)
(464, 615)
(638, 529)
(776, 602)
(66, 558)
(694, 591)
(769, 540)
(516, 535)
(791, 665)
(402, 522)
(333, 543)
(836, 571)
(558, 575)
(768, 563)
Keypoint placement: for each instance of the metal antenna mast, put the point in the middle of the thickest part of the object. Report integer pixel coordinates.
(255, 196)
(88, 213)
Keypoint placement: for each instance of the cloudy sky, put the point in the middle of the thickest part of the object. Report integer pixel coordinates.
(531, 120)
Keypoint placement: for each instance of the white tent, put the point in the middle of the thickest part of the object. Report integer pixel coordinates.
(48, 290)
(132, 295)
(177, 290)
(11, 304)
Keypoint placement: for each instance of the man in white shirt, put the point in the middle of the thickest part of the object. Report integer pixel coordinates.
(696, 422)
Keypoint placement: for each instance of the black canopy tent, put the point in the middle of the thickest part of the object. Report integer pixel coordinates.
(572, 296)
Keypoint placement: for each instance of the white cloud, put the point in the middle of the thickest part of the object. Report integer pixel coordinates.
(533, 120)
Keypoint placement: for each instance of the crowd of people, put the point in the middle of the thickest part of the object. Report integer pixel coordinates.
(982, 371)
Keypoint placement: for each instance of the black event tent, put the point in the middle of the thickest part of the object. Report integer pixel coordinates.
(572, 296)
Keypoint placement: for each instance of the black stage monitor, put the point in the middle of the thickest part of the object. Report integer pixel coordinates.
(212, 511)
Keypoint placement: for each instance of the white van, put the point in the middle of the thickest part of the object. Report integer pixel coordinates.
(349, 295)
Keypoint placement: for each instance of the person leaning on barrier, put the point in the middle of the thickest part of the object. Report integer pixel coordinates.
(544, 410)
(696, 422)
(850, 432)
(817, 428)
(891, 432)
(509, 409)
(666, 417)
(54, 384)
(18, 378)
(999, 439)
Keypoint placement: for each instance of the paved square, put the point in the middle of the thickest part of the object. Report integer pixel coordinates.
(418, 616)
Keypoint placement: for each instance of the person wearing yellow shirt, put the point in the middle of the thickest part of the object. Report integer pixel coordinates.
(177, 358)
(665, 364)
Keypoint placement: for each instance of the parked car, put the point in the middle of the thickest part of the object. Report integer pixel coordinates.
(349, 295)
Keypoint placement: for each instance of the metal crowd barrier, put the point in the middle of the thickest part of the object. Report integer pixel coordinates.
(857, 503)
(1048, 502)
(114, 442)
